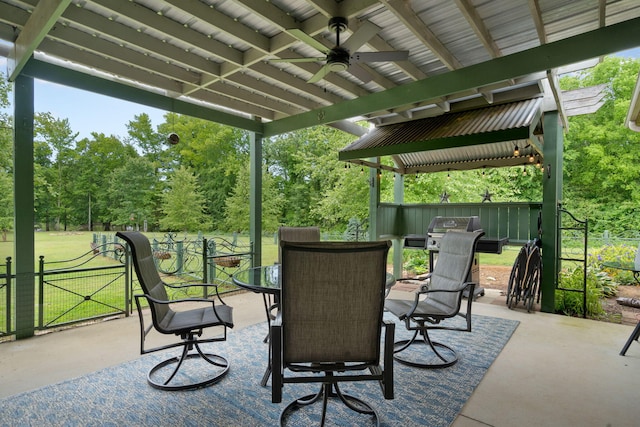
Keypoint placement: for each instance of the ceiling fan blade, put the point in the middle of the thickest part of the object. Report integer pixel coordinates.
(318, 59)
(306, 38)
(362, 35)
(321, 74)
(400, 55)
(360, 73)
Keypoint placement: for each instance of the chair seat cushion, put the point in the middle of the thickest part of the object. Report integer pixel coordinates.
(425, 308)
(197, 318)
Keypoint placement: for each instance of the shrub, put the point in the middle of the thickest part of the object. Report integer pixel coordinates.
(570, 302)
(416, 262)
(613, 255)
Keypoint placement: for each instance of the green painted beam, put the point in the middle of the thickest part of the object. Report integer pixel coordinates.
(437, 144)
(67, 77)
(602, 41)
(42, 19)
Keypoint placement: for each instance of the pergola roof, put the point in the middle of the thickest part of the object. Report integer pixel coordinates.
(485, 137)
(212, 58)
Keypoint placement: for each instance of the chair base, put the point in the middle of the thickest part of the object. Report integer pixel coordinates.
(445, 354)
(331, 391)
(173, 373)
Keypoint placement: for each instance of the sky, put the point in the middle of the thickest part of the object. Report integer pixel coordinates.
(88, 112)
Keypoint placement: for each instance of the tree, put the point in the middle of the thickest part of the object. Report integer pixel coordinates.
(131, 192)
(6, 165)
(601, 154)
(183, 204)
(95, 160)
(142, 135)
(309, 178)
(216, 151)
(58, 135)
(237, 204)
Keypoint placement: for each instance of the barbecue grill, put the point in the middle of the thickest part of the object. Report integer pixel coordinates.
(441, 224)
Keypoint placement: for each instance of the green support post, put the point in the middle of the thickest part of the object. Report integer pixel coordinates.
(398, 198)
(24, 246)
(374, 201)
(551, 200)
(255, 197)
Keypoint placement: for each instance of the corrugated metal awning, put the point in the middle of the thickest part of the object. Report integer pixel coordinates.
(465, 140)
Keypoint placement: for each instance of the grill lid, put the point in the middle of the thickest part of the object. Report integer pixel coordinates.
(442, 224)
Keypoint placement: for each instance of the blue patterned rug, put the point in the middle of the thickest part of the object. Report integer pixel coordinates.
(120, 395)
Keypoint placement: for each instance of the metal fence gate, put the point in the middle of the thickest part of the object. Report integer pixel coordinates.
(572, 260)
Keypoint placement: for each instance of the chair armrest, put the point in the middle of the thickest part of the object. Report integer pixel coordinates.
(175, 301)
(277, 322)
(425, 290)
(200, 285)
(425, 277)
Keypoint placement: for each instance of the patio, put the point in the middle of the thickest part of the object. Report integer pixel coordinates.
(555, 370)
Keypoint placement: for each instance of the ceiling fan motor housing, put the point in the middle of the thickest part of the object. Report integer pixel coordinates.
(338, 59)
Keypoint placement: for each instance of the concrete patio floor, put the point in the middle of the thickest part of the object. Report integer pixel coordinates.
(554, 371)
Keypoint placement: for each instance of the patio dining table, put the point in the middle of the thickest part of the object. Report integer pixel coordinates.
(265, 280)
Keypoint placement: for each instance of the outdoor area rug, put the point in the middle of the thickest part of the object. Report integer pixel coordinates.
(120, 395)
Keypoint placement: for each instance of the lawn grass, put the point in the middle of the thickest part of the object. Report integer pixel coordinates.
(61, 245)
(64, 294)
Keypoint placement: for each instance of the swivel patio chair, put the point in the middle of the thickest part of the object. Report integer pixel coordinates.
(329, 326)
(187, 323)
(288, 234)
(297, 234)
(443, 300)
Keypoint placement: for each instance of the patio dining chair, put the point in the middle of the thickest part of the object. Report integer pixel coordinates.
(287, 234)
(297, 234)
(329, 326)
(187, 323)
(442, 300)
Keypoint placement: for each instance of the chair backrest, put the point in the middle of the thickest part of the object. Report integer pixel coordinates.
(147, 272)
(453, 266)
(332, 301)
(297, 234)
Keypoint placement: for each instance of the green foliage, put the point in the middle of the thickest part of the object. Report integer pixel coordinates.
(6, 165)
(570, 302)
(217, 152)
(304, 183)
(130, 199)
(600, 153)
(614, 255)
(237, 204)
(183, 204)
(416, 262)
(315, 186)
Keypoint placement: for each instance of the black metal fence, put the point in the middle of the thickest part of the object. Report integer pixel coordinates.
(99, 283)
(6, 298)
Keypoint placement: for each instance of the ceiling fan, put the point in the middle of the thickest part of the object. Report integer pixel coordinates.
(339, 57)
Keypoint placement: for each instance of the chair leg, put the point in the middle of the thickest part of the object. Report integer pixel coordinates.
(326, 392)
(446, 355)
